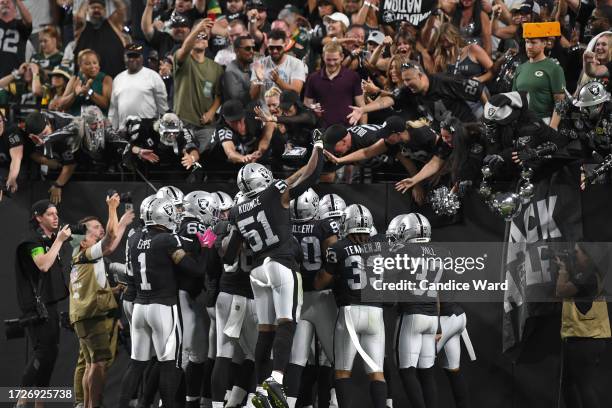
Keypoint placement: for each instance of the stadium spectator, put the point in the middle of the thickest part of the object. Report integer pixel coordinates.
(16, 32)
(272, 99)
(257, 19)
(166, 66)
(91, 86)
(277, 69)
(542, 79)
(473, 23)
(335, 87)
(23, 86)
(50, 55)
(11, 154)
(337, 24)
(192, 9)
(137, 91)
(597, 62)
(226, 55)
(53, 92)
(164, 42)
(95, 31)
(298, 39)
(196, 105)
(237, 75)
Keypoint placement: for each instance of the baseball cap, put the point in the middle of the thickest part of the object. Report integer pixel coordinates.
(35, 123)
(255, 4)
(133, 49)
(40, 207)
(333, 135)
(179, 20)
(393, 124)
(232, 110)
(288, 99)
(337, 16)
(376, 36)
(100, 2)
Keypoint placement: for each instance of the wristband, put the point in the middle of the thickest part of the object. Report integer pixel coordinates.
(57, 185)
(90, 93)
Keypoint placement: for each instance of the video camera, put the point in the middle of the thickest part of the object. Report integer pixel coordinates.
(124, 198)
(565, 255)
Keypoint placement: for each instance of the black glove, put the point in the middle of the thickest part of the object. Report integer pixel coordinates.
(494, 161)
(527, 154)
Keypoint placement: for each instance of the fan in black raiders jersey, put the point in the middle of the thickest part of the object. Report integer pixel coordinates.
(15, 34)
(264, 222)
(57, 135)
(360, 326)
(318, 308)
(165, 143)
(417, 330)
(156, 330)
(236, 322)
(11, 154)
(200, 214)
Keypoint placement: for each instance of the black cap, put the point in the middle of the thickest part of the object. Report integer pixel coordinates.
(35, 123)
(179, 20)
(393, 124)
(288, 99)
(255, 4)
(232, 110)
(100, 2)
(333, 135)
(40, 207)
(133, 49)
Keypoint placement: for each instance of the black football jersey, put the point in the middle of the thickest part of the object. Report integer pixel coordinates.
(244, 144)
(450, 308)
(153, 268)
(427, 264)
(235, 279)
(9, 139)
(188, 229)
(148, 138)
(349, 263)
(133, 237)
(212, 277)
(266, 225)
(311, 235)
(13, 42)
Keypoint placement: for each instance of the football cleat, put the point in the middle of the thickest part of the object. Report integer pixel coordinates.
(276, 393)
(261, 401)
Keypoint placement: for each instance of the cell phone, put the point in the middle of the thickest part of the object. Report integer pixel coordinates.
(129, 207)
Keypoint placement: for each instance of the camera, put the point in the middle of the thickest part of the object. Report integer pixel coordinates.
(15, 328)
(565, 255)
(78, 229)
(125, 198)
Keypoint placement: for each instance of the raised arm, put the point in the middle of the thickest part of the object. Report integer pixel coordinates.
(183, 52)
(146, 22)
(26, 17)
(118, 17)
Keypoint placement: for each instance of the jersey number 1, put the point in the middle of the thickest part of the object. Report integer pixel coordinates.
(142, 260)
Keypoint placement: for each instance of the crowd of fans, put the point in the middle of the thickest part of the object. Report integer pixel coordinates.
(192, 89)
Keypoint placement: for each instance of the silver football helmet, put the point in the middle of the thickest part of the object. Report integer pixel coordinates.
(591, 99)
(161, 212)
(304, 208)
(253, 178)
(373, 231)
(171, 193)
(395, 229)
(170, 127)
(224, 199)
(144, 204)
(240, 198)
(94, 129)
(357, 219)
(415, 227)
(331, 205)
(202, 205)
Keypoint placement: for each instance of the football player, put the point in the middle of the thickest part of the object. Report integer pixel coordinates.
(225, 203)
(264, 222)
(200, 213)
(331, 206)
(318, 308)
(418, 315)
(345, 263)
(156, 327)
(236, 321)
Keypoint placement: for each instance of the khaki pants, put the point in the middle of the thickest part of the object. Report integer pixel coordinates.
(79, 370)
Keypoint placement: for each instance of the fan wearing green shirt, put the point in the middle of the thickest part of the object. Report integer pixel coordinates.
(543, 79)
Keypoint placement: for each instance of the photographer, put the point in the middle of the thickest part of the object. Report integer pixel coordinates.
(92, 301)
(585, 325)
(41, 261)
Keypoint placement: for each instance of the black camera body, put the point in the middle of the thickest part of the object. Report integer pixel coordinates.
(124, 198)
(15, 328)
(565, 255)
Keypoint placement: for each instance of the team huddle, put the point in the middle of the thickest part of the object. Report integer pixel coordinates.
(283, 273)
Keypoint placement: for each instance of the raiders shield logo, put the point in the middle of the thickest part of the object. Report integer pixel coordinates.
(388, 17)
(491, 112)
(168, 209)
(202, 202)
(594, 89)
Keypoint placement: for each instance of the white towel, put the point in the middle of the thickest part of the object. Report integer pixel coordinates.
(233, 326)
